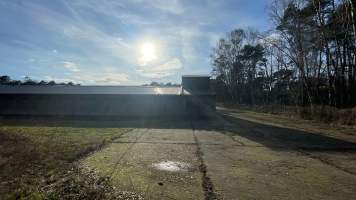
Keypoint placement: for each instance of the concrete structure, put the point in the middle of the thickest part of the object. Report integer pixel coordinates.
(194, 98)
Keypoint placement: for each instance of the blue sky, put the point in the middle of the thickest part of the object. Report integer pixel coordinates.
(104, 42)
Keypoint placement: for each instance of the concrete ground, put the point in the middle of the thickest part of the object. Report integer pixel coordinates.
(227, 158)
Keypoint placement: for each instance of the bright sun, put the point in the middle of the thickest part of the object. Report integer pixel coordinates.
(148, 52)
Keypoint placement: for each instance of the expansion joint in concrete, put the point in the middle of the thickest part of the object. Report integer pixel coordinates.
(207, 184)
(326, 161)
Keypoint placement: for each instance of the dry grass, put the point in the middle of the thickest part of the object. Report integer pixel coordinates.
(32, 158)
(323, 114)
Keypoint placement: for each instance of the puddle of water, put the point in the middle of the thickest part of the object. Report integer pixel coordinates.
(172, 166)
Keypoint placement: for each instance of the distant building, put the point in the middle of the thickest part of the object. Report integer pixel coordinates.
(193, 98)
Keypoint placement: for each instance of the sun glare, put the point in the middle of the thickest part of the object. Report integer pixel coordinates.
(148, 52)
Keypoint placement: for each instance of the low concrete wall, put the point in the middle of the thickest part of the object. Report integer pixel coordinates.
(101, 105)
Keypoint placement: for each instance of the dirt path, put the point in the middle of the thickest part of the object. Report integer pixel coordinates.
(227, 159)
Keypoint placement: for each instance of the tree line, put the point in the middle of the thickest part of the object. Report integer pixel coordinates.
(307, 59)
(157, 84)
(6, 80)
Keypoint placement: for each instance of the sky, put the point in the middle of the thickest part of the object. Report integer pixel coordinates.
(117, 42)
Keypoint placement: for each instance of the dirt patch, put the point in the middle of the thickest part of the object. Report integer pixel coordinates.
(83, 183)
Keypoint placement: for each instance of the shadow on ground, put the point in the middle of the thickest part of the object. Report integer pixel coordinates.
(267, 135)
(278, 137)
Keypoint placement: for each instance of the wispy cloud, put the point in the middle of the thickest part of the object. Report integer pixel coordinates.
(71, 66)
(102, 78)
(161, 70)
(91, 39)
(172, 6)
(112, 79)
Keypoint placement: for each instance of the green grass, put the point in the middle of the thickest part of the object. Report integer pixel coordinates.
(34, 155)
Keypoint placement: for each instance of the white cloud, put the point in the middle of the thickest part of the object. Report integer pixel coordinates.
(79, 32)
(101, 78)
(111, 7)
(112, 79)
(161, 70)
(99, 42)
(171, 65)
(117, 48)
(71, 66)
(112, 40)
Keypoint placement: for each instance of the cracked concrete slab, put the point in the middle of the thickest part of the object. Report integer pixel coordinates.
(220, 161)
(169, 136)
(250, 172)
(132, 166)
